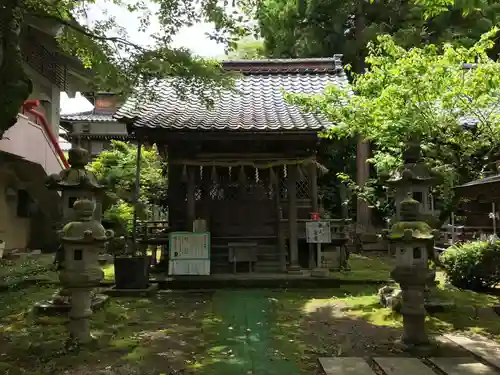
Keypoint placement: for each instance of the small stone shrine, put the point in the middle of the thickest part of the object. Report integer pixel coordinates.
(75, 182)
(83, 239)
(411, 238)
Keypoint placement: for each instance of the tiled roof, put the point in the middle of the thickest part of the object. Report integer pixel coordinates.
(256, 103)
(481, 181)
(89, 116)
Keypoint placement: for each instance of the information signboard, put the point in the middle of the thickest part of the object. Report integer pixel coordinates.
(189, 253)
(318, 231)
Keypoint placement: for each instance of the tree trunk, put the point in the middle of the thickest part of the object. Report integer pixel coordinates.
(363, 211)
(14, 82)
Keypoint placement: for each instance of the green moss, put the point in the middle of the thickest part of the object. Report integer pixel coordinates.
(419, 230)
(370, 267)
(109, 272)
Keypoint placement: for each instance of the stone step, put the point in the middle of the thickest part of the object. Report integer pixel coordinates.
(267, 266)
(462, 366)
(403, 366)
(480, 346)
(345, 366)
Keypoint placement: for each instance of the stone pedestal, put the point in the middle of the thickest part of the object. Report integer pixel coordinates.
(83, 240)
(79, 315)
(412, 280)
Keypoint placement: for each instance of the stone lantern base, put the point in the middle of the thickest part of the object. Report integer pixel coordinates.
(61, 304)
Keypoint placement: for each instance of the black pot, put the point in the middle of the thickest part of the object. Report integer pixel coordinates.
(132, 272)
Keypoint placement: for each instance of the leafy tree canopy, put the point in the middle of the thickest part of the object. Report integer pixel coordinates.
(319, 28)
(248, 48)
(428, 93)
(116, 168)
(117, 63)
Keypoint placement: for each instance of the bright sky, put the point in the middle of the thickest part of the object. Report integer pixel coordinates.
(193, 38)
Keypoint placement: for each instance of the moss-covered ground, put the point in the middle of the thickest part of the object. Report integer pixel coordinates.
(224, 332)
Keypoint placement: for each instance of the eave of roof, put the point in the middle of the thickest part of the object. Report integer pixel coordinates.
(255, 104)
(481, 181)
(89, 116)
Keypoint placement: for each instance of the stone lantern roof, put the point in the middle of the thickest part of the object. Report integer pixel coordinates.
(413, 172)
(84, 229)
(77, 176)
(410, 228)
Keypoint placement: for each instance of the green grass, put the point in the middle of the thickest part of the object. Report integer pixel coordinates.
(15, 271)
(179, 331)
(370, 267)
(109, 272)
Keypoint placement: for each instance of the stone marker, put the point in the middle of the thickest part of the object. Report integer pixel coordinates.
(486, 349)
(345, 366)
(403, 366)
(462, 366)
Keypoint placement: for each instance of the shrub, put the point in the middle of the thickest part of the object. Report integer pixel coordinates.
(473, 265)
(120, 215)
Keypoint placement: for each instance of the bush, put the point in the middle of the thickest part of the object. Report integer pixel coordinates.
(473, 265)
(119, 216)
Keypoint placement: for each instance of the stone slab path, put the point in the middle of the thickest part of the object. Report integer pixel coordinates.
(345, 366)
(463, 366)
(482, 351)
(405, 366)
(480, 346)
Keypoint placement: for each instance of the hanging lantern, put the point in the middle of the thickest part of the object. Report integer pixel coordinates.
(213, 174)
(184, 175)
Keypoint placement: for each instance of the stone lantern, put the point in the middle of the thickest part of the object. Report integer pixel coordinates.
(410, 238)
(74, 183)
(83, 239)
(413, 178)
(416, 179)
(77, 182)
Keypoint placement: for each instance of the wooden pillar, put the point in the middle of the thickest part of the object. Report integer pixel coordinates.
(363, 174)
(313, 192)
(344, 209)
(136, 193)
(191, 213)
(279, 227)
(292, 218)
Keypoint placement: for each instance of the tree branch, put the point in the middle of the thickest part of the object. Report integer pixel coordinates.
(82, 30)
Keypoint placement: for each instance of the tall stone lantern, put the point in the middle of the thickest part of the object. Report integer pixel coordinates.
(416, 179)
(83, 239)
(411, 238)
(74, 183)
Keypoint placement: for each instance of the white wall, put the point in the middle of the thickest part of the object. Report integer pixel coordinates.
(14, 230)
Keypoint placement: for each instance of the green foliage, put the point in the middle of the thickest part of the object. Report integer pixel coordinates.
(121, 215)
(473, 265)
(248, 49)
(117, 169)
(117, 64)
(425, 93)
(318, 28)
